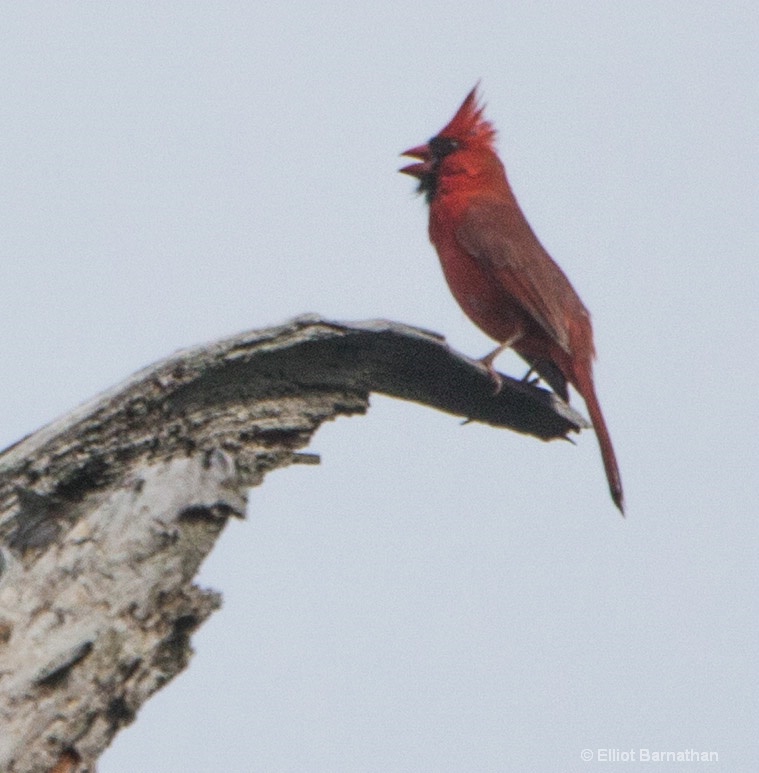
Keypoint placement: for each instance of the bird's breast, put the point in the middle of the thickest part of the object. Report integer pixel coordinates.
(481, 298)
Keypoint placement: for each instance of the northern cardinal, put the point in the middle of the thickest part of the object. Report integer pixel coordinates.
(498, 271)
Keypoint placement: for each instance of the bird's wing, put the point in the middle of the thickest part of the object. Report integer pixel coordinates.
(496, 233)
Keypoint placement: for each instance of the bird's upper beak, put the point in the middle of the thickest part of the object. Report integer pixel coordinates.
(422, 152)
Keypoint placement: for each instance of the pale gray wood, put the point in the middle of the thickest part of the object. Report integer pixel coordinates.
(107, 513)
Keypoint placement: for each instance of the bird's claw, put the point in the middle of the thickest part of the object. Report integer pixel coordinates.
(530, 379)
(494, 375)
(497, 380)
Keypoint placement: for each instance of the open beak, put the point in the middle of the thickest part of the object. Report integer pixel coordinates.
(422, 152)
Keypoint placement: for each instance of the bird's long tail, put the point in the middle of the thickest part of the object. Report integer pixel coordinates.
(584, 383)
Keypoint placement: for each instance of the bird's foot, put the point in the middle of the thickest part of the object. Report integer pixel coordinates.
(487, 362)
(488, 359)
(497, 379)
(495, 376)
(531, 378)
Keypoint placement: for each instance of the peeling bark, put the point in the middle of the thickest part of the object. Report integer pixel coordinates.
(107, 513)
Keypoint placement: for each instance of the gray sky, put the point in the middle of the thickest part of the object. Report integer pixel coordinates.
(432, 597)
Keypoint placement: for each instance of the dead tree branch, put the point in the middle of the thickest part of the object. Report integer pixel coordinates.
(107, 513)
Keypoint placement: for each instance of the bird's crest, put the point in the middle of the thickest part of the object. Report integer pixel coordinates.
(469, 125)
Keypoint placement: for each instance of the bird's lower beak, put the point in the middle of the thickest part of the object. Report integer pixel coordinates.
(422, 152)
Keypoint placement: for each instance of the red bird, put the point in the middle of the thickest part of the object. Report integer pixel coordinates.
(498, 271)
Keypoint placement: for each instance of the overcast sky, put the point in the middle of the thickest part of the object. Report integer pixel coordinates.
(434, 597)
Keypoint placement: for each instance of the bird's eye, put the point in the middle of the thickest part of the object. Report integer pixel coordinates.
(443, 146)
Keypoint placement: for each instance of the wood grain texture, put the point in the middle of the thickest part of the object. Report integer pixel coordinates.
(107, 513)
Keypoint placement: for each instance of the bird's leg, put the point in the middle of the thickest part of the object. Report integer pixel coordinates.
(488, 359)
(531, 381)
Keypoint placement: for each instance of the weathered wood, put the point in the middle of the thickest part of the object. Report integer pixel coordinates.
(107, 513)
